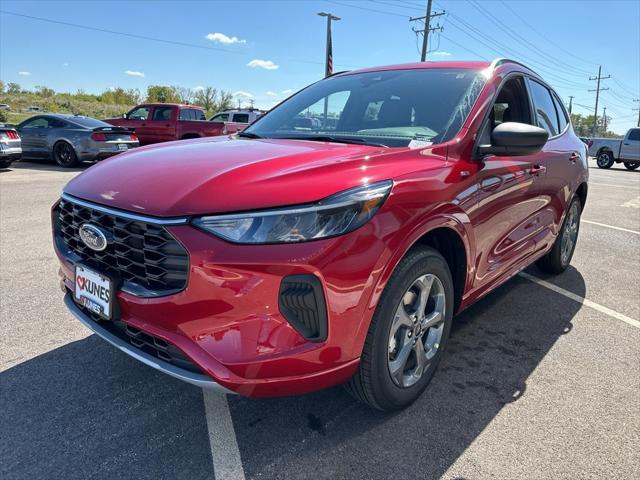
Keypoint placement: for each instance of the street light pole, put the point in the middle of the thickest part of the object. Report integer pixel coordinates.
(328, 64)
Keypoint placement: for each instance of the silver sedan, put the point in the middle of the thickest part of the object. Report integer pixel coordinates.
(70, 139)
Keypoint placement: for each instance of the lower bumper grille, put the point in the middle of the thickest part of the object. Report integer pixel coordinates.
(144, 341)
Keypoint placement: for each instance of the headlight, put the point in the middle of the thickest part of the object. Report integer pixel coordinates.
(335, 215)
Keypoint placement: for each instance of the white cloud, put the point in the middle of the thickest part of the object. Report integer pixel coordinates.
(271, 94)
(222, 38)
(199, 88)
(24, 74)
(266, 64)
(134, 73)
(441, 54)
(287, 91)
(241, 93)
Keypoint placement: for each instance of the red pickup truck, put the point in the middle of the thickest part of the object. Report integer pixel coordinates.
(163, 122)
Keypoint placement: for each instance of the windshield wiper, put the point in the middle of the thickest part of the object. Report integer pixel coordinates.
(335, 139)
(248, 135)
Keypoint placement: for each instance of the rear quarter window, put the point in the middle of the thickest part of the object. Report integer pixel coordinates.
(634, 134)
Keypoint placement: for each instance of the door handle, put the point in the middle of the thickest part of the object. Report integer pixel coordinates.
(537, 170)
(167, 124)
(574, 157)
(143, 125)
(626, 144)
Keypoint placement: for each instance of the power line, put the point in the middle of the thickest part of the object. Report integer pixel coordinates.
(155, 39)
(366, 8)
(516, 36)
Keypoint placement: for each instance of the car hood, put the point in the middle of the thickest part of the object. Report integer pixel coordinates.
(223, 174)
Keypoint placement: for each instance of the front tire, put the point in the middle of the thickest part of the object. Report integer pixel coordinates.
(559, 257)
(631, 165)
(605, 160)
(65, 155)
(5, 164)
(408, 333)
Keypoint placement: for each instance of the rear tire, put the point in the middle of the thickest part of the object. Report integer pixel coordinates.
(64, 154)
(605, 159)
(631, 165)
(5, 164)
(559, 257)
(388, 378)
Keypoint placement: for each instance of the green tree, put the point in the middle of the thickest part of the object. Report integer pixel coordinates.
(162, 94)
(44, 92)
(1, 87)
(206, 98)
(224, 101)
(13, 88)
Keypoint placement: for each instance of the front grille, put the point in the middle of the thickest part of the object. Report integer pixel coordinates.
(145, 256)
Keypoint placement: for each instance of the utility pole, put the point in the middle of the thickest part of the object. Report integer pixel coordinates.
(604, 119)
(427, 28)
(638, 109)
(597, 90)
(571, 97)
(328, 65)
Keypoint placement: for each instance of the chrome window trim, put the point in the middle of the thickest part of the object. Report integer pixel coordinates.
(121, 213)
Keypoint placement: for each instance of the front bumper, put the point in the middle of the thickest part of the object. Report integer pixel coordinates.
(199, 380)
(228, 322)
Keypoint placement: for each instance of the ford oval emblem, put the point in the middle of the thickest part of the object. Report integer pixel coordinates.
(93, 237)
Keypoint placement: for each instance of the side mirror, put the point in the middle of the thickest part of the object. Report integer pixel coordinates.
(124, 115)
(511, 139)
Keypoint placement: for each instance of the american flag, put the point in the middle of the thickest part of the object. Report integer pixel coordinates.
(329, 54)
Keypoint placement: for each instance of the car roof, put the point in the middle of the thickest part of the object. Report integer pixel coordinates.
(180, 105)
(475, 65)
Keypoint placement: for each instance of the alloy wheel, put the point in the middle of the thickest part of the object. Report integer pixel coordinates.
(569, 234)
(416, 331)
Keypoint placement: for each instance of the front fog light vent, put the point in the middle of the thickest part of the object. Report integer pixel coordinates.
(302, 303)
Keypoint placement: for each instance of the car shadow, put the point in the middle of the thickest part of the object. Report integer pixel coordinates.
(494, 347)
(85, 410)
(47, 166)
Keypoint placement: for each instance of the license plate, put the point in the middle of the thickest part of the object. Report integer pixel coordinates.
(93, 291)
(122, 147)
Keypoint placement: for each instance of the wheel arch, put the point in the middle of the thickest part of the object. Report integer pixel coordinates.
(450, 234)
(581, 193)
(188, 136)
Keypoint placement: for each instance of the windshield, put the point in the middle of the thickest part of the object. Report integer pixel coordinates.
(89, 122)
(391, 108)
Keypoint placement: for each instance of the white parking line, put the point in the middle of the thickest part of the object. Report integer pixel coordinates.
(635, 187)
(582, 300)
(227, 464)
(609, 226)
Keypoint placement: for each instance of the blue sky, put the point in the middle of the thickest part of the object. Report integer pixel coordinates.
(266, 49)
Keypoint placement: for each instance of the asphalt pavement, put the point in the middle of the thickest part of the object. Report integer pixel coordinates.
(536, 383)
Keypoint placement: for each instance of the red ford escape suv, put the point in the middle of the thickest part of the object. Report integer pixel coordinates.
(298, 255)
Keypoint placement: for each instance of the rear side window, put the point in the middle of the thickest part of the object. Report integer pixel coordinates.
(546, 116)
(634, 134)
(562, 114)
(241, 117)
(221, 117)
(162, 113)
(191, 114)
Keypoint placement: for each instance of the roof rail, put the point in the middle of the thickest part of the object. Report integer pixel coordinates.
(500, 61)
